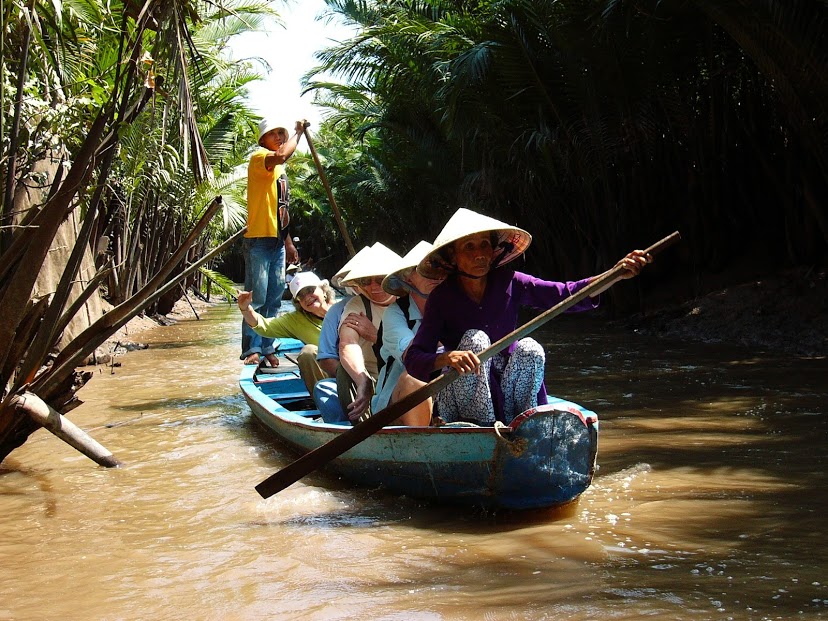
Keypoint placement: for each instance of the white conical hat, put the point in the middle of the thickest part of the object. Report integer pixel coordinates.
(512, 241)
(336, 281)
(378, 261)
(391, 283)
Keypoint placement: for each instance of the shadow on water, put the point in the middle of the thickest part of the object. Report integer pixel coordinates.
(186, 344)
(375, 507)
(41, 481)
(184, 403)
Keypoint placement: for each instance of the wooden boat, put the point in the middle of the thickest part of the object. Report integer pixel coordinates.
(544, 458)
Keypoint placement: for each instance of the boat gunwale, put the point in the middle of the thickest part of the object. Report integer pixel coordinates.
(250, 387)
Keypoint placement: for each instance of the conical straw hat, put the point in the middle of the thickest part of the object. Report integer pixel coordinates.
(336, 281)
(511, 241)
(392, 283)
(376, 262)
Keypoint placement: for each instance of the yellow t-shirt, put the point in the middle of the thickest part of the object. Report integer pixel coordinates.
(263, 196)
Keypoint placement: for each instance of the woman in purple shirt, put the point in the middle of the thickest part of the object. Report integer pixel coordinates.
(477, 305)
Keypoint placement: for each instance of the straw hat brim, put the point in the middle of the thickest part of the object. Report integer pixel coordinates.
(392, 282)
(376, 262)
(336, 280)
(512, 241)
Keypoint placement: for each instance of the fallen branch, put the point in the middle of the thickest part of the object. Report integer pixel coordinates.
(52, 420)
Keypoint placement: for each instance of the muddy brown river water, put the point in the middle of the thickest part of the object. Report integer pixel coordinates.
(710, 501)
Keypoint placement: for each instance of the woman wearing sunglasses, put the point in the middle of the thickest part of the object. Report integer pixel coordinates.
(359, 346)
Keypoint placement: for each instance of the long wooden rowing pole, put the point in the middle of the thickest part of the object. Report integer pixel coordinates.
(341, 443)
(325, 183)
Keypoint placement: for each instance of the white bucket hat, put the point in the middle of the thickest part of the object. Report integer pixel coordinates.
(268, 125)
(301, 281)
(336, 280)
(511, 241)
(378, 261)
(393, 282)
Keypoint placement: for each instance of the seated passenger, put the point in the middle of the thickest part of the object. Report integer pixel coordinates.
(477, 305)
(358, 330)
(312, 298)
(399, 325)
(324, 393)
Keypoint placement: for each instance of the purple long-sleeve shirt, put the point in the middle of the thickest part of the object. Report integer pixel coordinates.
(449, 312)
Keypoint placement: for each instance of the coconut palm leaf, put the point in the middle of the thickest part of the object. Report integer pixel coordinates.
(225, 285)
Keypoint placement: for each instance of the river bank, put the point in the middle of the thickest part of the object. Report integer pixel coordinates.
(786, 312)
(128, 338)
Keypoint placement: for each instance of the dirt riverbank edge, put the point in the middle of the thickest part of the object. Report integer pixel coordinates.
(784, 313)
(128, 338)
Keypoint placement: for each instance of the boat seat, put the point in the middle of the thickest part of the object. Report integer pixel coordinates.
(285, 366)
(292, 396)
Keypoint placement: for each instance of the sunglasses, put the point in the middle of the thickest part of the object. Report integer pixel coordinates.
(366, 282)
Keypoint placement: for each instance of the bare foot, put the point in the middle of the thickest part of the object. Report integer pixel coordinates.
(273, 359)
(252, 359)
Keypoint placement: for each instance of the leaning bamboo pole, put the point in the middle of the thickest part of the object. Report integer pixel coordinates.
(342, 228)
(47, 417)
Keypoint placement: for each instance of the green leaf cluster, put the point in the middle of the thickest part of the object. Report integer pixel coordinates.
(598, 126)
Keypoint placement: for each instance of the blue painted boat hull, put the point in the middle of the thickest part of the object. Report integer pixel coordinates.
(545, 458)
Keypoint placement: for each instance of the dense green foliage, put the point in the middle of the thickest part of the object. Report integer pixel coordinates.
(124, 117)
(598, 126)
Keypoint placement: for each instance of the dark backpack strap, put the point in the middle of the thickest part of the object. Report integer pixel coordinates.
(405, 306)
(378, 345)
(367, 304)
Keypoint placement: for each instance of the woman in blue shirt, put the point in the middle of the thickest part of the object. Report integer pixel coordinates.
(399, 325)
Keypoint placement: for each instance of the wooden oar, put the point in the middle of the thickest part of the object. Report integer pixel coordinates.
(341, 443)
(325, 183)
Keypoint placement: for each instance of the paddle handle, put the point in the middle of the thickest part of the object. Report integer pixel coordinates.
(353, 436)
(599, 284)
(334, 448)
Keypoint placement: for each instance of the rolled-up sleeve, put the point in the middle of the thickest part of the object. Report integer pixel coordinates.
(329, 336)
(272, 326)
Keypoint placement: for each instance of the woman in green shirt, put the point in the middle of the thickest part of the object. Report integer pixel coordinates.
(312, 298)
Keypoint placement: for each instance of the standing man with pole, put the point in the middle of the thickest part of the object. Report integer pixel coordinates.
(267, 243)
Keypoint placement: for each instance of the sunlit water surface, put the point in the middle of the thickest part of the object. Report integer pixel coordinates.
(710, 501)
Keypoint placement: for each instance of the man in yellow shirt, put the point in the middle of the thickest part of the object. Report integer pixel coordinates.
(267, 242)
